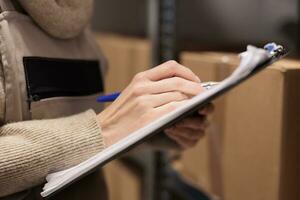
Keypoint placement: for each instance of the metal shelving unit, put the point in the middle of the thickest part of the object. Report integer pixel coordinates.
(162, 33)
(162, 30)
(163, 181)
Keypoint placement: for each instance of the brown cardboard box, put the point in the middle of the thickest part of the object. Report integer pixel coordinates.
(126, 56)
(123, 183)
(258, 138)
(202, 165)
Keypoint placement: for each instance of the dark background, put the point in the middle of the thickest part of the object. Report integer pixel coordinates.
(223, 25)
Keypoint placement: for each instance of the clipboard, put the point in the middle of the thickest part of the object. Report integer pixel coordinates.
(252, 61)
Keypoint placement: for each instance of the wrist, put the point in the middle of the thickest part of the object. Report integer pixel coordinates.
(108, 137)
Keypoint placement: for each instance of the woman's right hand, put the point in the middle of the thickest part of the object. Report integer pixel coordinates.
(150, 95)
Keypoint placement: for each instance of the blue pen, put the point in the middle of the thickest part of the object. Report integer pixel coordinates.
(109, 97)
(114, 96)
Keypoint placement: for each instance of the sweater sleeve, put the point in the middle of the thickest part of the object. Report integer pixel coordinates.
(32, 149)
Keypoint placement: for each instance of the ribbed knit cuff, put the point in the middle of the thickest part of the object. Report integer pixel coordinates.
(79, 138)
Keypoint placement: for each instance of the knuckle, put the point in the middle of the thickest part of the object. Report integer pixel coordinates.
(142, 103)
(139, 76)
(173, 66)
(172, 63)
(178, 82)
(137, 90)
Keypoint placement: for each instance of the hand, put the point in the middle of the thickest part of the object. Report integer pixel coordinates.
(150, 95)
(188, 132)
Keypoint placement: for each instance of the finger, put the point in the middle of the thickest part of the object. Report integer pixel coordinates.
(195, 123)
(170, 69)
(157, 100)
(167, 108)
(175, 84)
(182, 142)
(174, 138)
(207, 109)
(187, 133)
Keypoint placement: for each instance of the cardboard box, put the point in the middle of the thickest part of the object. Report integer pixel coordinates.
(126, 56)
(122, 181)
(252, 148)
(202, 165)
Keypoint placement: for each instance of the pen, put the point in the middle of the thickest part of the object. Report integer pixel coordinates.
(113, 96)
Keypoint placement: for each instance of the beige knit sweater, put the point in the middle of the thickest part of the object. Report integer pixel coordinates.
(30, 150)
(60, 18)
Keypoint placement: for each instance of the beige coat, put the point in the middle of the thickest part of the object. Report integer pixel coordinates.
(30, 145)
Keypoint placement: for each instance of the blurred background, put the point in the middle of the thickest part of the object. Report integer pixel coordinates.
(208, 24)
(251, 149)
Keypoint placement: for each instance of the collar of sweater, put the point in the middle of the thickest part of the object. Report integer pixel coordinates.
(62, 19)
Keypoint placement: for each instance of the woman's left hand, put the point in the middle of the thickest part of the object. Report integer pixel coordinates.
(188, 132)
